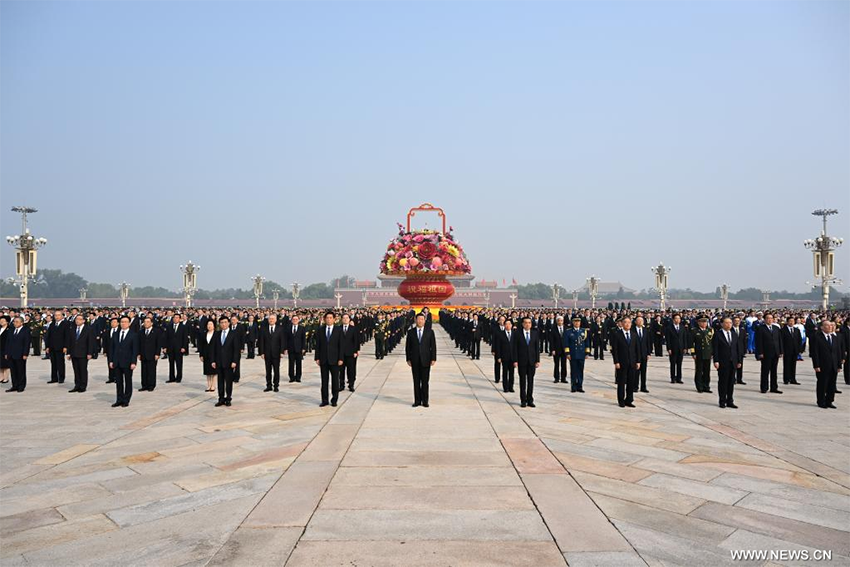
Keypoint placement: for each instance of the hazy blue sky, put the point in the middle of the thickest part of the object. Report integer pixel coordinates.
(563, 139)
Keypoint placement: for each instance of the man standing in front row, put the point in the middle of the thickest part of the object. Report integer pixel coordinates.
(17, 350)
(329, 357)
(421, 352)
(624, 349)
(527, 362)
(125, 352)
(228, 349)
(726, 347)
(825, 350)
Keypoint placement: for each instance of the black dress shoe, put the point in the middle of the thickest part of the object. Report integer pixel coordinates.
(622, 405)
(731, 405)
(522, 404)
(764, 391)
(563, 381)
(839, 392)
(795, 383)
(679, 382)
(723, 405)
(531, 405)
(291, 380)
(142, 390)
(116, 405)
(169, 381)
(350, 389)
(276, 389)
(73, 391)
(556, 381)
(644, 390)
(227, 403)
(832, 406)
(110, 381)
(12, 390)
(333, 404)
(580, 391)
(125, 405)
(630, 405)
(741, 382)
(323, 404)
(219, 403)
(53, 381)
(776, 391)
(708, 392)
(416, 405)
(80, 391)
(267, 389)
(425, 404)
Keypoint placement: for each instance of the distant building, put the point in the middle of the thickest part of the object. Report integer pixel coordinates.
(609, 288)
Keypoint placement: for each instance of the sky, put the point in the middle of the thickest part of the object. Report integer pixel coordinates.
(563, 139)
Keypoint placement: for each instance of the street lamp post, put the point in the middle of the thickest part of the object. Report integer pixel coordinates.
(487, 299)
(724, 295)
(513, 297)
(276, 296)
(83, 291)
(661, 274)
(823, 249)
(556, 293)
(26, 246)
(593, 288)
(765, 297)
(575, 300)
(190, 281)
(258, 288)
(365, 292)
(123, 293)
(338, 296)
(296, 293)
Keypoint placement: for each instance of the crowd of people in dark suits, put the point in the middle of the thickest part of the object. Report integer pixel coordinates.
(717, 339)
(128, 338)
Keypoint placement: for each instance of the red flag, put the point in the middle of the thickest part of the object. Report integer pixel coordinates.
(514, 281)
(503, 282)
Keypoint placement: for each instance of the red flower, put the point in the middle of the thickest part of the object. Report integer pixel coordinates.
(426, 251)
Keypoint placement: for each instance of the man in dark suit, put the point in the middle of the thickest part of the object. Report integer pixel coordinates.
(826, 352)
(123, 358)
(726, 351)
(740, 334)
(227, 352)
(644, 339)
(792, 345)
(295, 347)
(56, 342)
(497, 328)
(251, 335)
(527, 361)
(176, 345)
(350, 352)
(329, 357)
(80, 351)
(475, 338)
(150, 348)
(557, 344)
(421, 353)
(624, 350)
(677, 344)
(17, 351)
(768, 350)
(272, 345)
(109, 335)
(238, 330)
(504, 349)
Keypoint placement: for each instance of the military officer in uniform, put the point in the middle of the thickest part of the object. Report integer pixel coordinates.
(577, 346)
(701, 351)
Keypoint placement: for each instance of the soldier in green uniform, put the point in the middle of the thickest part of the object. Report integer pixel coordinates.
(36, 326)
(701, 351)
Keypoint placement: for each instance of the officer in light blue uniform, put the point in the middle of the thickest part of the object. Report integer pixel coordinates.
(577, 346)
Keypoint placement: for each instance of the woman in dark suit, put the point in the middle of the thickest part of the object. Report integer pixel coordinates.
(206, 350)
(5, 330)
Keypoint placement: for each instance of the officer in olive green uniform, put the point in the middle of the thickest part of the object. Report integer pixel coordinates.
(701, 352)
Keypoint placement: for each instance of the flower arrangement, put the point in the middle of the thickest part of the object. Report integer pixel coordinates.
(424, 252)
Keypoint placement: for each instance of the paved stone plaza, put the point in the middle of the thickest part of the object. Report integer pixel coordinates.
(472, 480)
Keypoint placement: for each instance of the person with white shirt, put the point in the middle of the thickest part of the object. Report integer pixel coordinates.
(272, 343)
